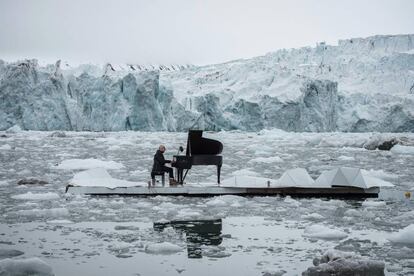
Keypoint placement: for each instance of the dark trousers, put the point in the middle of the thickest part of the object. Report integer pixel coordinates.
(165, 169)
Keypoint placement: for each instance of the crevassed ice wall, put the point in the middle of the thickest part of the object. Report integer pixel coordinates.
(363, 84)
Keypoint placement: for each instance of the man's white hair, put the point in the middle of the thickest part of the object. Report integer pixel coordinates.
(161, 146)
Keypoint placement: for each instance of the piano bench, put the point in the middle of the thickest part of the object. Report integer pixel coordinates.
(154, 174)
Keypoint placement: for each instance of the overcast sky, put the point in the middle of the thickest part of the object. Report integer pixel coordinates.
(187, 31)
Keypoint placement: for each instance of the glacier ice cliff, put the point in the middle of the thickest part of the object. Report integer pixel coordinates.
(360, 85)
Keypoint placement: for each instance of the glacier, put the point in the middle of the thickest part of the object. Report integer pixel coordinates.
(359, 85)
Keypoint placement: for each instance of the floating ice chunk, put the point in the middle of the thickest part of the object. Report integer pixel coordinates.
(85, 164)
(245, 172)
(14, 129)
(5, 147)
(289, 200)
(100, 177)
(298, 177)
(313, 216)
(226, 200)
(268, 160)
(273, 273)
(373, 203)
(8, 253)
(335, 262)
(379, 174)
(400, 149)
(31, 266)
(188, 214)
(352, 213)
(318, 231)
(59, 221)
(164, 248)
(4, 182)
(405, 235)
(36, 196)
(52, 212)
(346, 158)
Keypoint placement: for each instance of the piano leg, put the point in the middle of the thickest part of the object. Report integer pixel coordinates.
(180, 176)
(218, 174)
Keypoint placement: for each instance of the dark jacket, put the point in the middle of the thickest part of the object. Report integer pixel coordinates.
(159, 162)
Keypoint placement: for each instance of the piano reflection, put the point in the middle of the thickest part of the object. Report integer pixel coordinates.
(200, 151)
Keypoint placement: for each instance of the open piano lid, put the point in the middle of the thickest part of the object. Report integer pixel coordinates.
(198, 145)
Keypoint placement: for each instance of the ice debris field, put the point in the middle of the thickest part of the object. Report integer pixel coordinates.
(46, 231)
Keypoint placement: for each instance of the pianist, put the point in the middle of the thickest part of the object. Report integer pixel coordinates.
(159, 165)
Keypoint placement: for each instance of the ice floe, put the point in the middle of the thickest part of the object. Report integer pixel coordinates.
(5, 147)
(373, 203)
(400, 149)
(37, 196)
(59, 221)
(272, 159)
(52, 212)
(404, 236)
(91, 163)
(334, 262)
(162, 248)
(99, 177)
(31, 266)
(8, 253)
(313, 216)
(318, 231)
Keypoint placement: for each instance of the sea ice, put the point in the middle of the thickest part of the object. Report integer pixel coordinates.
(85, 164)
(100, 177)
(14, 129)
(339, 263)
(8, 253)
(52, 212)
(319, 231)
(346, 158)
(313, 216)
(5, 147)
(373, 203)
(59, 221)
(31, 266)
(226, 200)
(36, 196)
(162, 248)
(404, 236)
(400, 149)
(268, 160)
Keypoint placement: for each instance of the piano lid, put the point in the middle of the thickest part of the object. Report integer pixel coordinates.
(196, 144)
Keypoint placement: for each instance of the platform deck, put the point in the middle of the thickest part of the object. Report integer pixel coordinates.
(206, 191)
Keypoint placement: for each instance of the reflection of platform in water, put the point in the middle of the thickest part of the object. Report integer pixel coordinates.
(198, 233)
(214, 190)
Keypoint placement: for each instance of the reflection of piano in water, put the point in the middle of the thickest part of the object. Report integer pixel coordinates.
(198, 232)
(200, 151)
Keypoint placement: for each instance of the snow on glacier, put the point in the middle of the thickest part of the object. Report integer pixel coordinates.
(360, 85)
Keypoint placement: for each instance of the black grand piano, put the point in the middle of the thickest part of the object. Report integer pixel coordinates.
(200, 151)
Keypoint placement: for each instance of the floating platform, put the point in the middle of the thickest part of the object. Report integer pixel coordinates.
(207, 191)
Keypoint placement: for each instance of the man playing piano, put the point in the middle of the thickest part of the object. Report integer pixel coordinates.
(159, 165)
